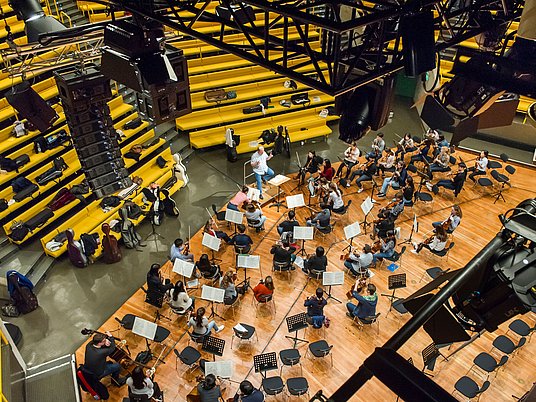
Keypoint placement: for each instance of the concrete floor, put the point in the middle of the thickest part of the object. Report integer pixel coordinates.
(72, 299)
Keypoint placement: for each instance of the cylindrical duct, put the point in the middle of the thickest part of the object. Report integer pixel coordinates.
(527, 24)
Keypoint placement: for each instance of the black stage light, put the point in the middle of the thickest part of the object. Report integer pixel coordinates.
(31, 106)
(35, 20)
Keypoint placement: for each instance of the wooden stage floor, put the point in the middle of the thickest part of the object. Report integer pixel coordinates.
(350, 345)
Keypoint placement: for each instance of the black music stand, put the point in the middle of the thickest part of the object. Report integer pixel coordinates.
(278, 203)
(294, 324)
(213, 345)
(429, 357)
(265, 362)
(396, 281)
(213, 311)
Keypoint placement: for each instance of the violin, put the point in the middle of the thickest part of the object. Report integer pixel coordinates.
(376, 246)
(389, 206)
(429, 240)
(186, 249)
(447, 223)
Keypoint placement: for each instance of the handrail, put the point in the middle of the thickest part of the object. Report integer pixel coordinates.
(249, 175)
(63, 13)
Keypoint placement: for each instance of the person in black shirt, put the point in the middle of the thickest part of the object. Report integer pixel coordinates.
(422, 155)
(312, 165)
(248, 393)
(100, 347)
(283, 253)
(455, 184)
(321, 220)
(317, 262)
(368, 170)
(154, 281)
(408, 191)
(315, 308)
(289, 224)
(384, 225)
(208, 390)
(241, 240)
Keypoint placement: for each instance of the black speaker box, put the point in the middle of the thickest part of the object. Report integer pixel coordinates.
(31, 106)
(133, 40)
(120, 68)
(165, 105)
(78, 89)
(106, 179)
(87, 139)
(99, 159)
(96, 148)
(112, 188)
(418, 42)
(85, 111)
(101, 170)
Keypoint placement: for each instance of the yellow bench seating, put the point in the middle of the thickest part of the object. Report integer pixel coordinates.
(13, 23)
(224, 114)
(91, 218)
(103, 16)
(252, 129)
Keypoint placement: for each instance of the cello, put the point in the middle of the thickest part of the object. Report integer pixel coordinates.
(110, 248)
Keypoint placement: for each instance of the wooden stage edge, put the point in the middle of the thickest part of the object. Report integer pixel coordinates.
(351, 346)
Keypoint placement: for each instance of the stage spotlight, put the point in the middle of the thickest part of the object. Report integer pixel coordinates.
(502, 286)
(35, 20)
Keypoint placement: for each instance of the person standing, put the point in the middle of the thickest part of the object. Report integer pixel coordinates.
(239, 199)
(259, 163)
(97, 350)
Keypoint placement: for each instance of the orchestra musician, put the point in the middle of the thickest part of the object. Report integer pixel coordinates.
(432, 135)
(365, 173)
(209, 390)
(248, 393)
(315, 308)
(408, 191)
(378, 146)
(441, 162)
(396, 181)
(284, 253)
(334, 202)
(241, 240)
(200, 323)
(481, 165)
(319, 188)
(387, 248)
(179, 300)
(209, 228)
(206, 268)
(424, 153)
(155, 282)
(231, 290)
(434, 243)
(367, 300)
(260, 167)
(387, 165)
(140, 383)
(383, 225)
(239, 199)
(452, 222)
(358, 264)
(100, 347)
(264, 288)
(316, 262)
(456, 184)
(254, 216)
(327, 171)
(394, 208)
(321, 221)
(351, 156)
(312, 166)
(288, 224)
(405, 145)
(181, 250)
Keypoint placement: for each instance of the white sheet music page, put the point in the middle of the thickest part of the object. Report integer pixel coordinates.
(299, 261)
(234, 216)
(183, 268)
(212, 242)
(249, 261)
(144, 328)
(415, 224)
(303, 233)
(278, 180)
(367, 205)
(333, 278)
(352, 230)
(220, 368)
(254, 194)
(295, 201)
(212, 294)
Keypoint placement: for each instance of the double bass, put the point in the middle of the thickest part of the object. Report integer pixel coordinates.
(110, 248)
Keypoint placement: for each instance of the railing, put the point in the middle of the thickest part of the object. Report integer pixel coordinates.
(64, 14)
(246, 176)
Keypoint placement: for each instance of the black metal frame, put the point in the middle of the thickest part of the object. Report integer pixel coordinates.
(351, 53)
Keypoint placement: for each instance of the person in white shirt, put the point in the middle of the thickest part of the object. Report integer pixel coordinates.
(435, 244)
(351, 157)
(178, 298)
(358, 263)
(335, 201)
(480, 167)
(260, 167)
(453, 220)
(142, 384)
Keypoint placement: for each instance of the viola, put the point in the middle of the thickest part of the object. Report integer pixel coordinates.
(358, 287)
(447, 223)
(377, 246)
(110, 247)
(186, 249)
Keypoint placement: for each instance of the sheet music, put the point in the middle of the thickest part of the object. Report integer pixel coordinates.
(212, 294)
(183, 268)
(220, 368)
(278, 180)
(240, 328)
(249, 261)
(193, 283)
(254, 194)
(303, 233)
(415, 224)
(144, 328)
(295, 201)
(352, 230)
(299, 261)
(212, 242)
(333, 278)
(366, 206)
(234, 216)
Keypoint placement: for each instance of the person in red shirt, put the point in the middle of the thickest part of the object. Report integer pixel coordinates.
(239, 199)
(328, 172)
(264, 288)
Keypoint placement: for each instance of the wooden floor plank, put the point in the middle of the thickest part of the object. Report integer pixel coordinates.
(351, 346)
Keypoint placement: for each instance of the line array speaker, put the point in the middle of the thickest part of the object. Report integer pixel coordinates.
(84, 96)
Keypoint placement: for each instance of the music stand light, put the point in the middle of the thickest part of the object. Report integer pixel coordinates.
(396, 281)
(294, 324)
(213, 345)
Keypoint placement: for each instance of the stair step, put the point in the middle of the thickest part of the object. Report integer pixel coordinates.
(6, 251)
(40, 269)
(23, 262)
(186, 153)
